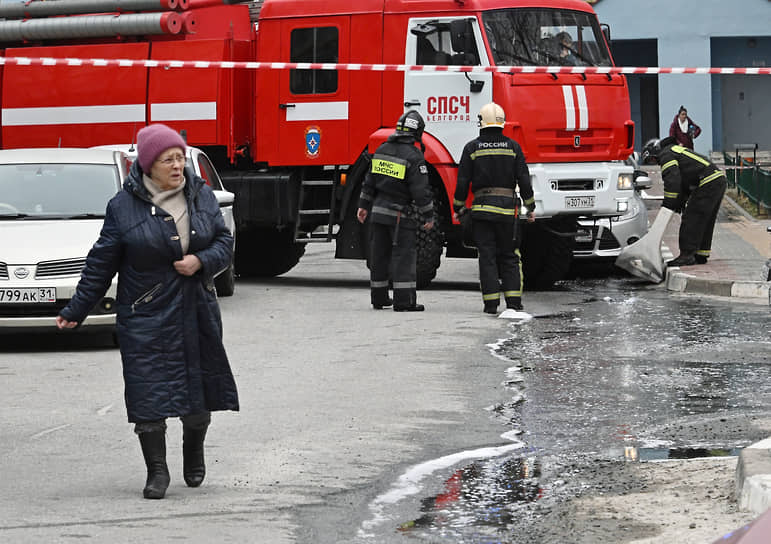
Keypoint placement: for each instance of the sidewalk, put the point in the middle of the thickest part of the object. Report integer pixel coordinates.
(741, 247)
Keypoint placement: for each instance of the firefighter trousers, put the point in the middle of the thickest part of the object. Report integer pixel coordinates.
(393, 256)
(499, 264)
(699, 216)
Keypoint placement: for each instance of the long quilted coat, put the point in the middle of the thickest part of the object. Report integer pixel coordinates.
(169, 326)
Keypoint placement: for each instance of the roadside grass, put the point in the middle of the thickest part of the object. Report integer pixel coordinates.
(758, 212)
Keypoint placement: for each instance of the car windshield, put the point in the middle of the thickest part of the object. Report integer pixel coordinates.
(545, 37)
(56, 190)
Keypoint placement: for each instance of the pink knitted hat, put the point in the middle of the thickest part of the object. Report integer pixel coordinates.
(154, 140)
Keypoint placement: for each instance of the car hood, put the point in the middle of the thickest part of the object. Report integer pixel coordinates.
(28, 241)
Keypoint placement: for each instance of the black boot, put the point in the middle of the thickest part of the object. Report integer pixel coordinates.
(683, 260)
(491, 308)
(194, 468)
(154, 451)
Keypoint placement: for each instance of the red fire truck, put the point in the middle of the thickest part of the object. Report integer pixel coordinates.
(294, 144)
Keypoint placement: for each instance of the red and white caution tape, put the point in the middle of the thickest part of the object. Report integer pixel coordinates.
(146, 63)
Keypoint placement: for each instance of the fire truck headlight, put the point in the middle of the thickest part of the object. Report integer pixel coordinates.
(625, 182)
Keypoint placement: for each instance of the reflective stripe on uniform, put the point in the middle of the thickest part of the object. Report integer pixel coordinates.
(376, 284)
(405, 285)
(712, 176)
(529, 201)
(427, 208)
(703, 252)
(671, 195)
(491, 296)
(493, 209)
(688, 153)
(673, 162)
(385, 211)
(457, 202)
(509, 294)
(493, 152)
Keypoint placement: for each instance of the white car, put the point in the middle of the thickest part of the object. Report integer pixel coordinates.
(52, 206)
(224, 281)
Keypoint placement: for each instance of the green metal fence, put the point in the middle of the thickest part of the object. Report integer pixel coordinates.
(750, 180)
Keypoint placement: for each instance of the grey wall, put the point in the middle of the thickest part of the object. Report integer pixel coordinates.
(685, 31)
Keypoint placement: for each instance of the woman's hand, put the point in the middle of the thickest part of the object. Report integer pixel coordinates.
(64, 324)
(189, 265)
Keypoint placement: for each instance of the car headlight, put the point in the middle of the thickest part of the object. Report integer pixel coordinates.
(625, 182)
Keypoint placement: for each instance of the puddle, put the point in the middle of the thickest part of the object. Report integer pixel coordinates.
(479, 500)
(659, 454)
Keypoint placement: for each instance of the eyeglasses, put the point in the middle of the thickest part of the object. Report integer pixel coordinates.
(168, 161)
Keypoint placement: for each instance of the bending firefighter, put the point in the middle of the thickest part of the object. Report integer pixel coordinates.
(492, 166)
(398, 177)
(693, 186)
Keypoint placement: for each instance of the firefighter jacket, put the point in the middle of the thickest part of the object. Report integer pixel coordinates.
(682, 172)
(398, 177)
(493, 165)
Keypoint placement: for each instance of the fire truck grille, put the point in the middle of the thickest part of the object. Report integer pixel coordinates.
(56, 269)
(574, 185)
(607, 241)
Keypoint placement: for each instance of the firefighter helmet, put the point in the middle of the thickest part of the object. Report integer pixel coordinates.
(411, 123)
(491, 115)
(651, 150)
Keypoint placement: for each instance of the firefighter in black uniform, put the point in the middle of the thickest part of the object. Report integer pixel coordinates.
(693, 186)
(398, 177)
(493, 165)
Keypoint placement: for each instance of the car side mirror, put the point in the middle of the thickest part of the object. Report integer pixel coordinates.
(224, 198)
(642, 180)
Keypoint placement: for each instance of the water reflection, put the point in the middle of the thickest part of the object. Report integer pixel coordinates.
(479, 501)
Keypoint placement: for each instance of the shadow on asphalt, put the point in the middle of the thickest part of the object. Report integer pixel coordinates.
(44, 342)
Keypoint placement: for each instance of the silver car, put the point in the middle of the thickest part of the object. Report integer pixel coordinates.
(604, 238)
(52, 206)
(225, 280)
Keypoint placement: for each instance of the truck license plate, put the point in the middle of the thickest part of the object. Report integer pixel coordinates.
(34, 295)
(579, 201)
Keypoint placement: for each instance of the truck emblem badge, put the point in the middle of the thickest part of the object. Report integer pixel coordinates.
(312, 141)
(21, 273)
(576, 141)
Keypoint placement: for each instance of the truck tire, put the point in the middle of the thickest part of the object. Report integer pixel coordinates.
(225, 283)
(546, 256)
(267, 252)
(430, 244)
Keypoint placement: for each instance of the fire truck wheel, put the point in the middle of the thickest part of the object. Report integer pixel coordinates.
(225, 283)
(267, 252)
(546, 256)
(430, 245)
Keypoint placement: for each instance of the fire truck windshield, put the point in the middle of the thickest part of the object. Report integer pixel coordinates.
(545, 37)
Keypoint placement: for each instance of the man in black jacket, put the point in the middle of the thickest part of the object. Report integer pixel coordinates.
(693, 186)
(398, 177)
(493, 165)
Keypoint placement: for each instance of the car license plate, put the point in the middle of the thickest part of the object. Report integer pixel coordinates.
(34, 295)
(579, 201)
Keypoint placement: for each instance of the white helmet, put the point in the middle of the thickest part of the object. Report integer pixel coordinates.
(491, 115)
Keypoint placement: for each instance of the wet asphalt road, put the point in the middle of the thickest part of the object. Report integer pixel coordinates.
(360, 426)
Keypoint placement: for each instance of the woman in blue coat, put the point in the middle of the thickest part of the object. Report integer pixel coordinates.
(164, 236)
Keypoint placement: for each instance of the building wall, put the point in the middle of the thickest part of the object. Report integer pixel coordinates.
(684, 32)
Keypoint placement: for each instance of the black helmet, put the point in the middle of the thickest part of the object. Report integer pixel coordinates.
(411, 123)
(651, 150)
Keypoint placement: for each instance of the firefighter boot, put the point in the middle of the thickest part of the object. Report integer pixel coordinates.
(380, 304)
(514, 303)
(413, 308)
(193, 465)
(154, 451)
(682, 260)
(491, 307)
(701, 259)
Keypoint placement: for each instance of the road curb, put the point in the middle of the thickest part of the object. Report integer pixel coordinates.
(753, 478)
(685, 283)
